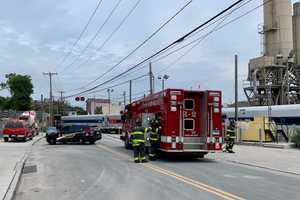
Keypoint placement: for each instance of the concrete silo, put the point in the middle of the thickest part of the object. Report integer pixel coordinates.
(271, 77)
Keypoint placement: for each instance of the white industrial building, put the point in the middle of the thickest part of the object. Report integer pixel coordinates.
(102, 106)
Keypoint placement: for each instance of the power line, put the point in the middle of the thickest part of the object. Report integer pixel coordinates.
(140, 45)
(165, 48)
(200, 39)
(95, 35)
(81, 33)
(112, 33)
(222, 19)
(117, 85)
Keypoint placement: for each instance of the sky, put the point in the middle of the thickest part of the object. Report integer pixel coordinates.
(36, 35)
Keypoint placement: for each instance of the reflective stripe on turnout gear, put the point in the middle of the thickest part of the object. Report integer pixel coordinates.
(137, 137)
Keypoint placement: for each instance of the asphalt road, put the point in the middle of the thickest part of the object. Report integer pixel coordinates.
(106, 171)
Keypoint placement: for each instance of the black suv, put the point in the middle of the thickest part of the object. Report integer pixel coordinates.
(73, 133)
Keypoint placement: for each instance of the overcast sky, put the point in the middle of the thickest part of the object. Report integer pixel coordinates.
(35, 35)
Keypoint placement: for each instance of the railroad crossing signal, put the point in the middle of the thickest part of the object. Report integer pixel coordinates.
(79, 98)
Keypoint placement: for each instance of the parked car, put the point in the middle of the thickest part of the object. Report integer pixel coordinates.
(51, 131)
(72, 133)
(17, 130)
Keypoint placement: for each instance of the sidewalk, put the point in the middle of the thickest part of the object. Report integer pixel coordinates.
(12, 156)
(283, 160)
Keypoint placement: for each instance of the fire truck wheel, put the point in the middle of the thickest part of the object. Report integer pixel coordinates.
(6, 139)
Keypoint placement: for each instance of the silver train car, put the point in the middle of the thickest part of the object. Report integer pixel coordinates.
(105, 123)
(280, 114)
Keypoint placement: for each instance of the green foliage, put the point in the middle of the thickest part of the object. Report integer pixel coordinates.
(296, 139)
(98, 110)
(79, 110)
(21, 89)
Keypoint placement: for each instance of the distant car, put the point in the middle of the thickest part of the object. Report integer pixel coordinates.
(17, 130)
(72, 133)
(51, 131)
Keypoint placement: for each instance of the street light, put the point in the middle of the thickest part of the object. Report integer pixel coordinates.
(108, 93)
(163, 78)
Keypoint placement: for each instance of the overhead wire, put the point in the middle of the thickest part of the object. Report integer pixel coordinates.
(163, 49)
(218, 27)
(81, 33)
(111, 34)
(95, 36)
(222, 19)
(200, 39)
(139, 46)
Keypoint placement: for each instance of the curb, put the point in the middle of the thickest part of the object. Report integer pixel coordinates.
(266, 145)
(11, 190)
(10, 193)
(262, 167)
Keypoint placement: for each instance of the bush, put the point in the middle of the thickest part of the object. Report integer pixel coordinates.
(296, 139)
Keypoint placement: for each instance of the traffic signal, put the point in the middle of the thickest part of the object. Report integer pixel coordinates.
(79, 98)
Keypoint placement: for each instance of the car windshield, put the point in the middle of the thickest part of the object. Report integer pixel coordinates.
(14, 125)
(51, 129)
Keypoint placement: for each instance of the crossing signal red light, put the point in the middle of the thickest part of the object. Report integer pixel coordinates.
(82, 98)
(77, 98)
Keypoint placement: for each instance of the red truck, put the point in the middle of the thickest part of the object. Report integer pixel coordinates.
(17, 130)
(191, 121)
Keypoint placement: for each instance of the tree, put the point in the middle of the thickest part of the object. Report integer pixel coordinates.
(21, 89)
(79, 110)
(98, 110)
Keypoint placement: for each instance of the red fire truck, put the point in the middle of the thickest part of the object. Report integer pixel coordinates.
(191, 121)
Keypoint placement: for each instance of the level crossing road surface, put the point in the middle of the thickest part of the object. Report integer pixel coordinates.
(106, 171)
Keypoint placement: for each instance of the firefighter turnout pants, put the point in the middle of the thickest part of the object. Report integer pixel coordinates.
(139, 152)
(153, 150)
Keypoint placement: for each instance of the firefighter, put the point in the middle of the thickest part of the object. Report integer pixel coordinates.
(230, 137)
(138, 143)
(147, 140)
(154, 139)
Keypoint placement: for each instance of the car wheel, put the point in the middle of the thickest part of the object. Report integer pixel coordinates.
(92, 142)
(6, 139)
(52, 141)
(81, 141)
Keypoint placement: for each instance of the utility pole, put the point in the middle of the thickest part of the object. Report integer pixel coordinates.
(108, 93)
(124, 98)
(130, 91)
(150, 78)
(42, 108)
(236, 94)
(61, 104)
(50, 74)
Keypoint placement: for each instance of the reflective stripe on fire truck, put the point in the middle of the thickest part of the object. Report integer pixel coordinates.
(168, 139)
(214, 140)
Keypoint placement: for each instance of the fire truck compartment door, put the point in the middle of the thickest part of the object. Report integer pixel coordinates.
(191, 117)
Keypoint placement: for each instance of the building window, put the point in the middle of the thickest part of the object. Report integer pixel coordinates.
(189, 104)
(189, 124)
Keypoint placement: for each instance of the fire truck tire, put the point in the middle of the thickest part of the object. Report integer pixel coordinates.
(6, 139)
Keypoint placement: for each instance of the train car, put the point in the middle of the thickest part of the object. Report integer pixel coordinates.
(104, 123)
(191, 121)
(280, 114)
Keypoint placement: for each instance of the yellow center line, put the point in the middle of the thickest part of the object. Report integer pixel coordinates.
(184, 179)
